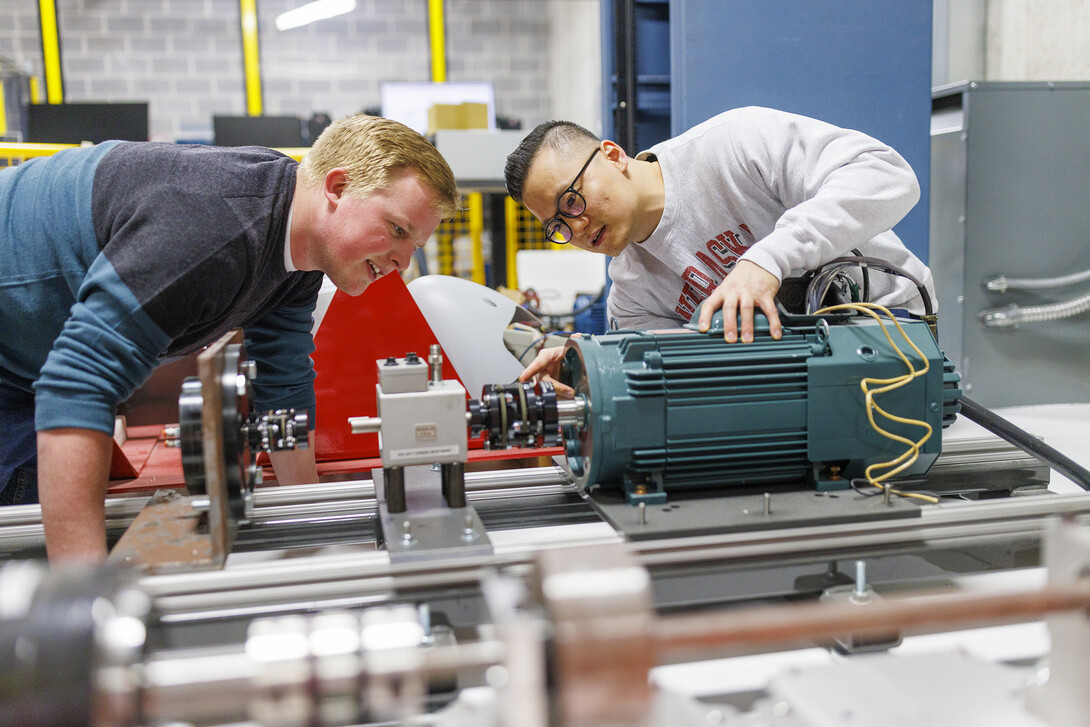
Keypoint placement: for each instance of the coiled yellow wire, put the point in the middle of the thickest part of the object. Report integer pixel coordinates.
(908, 458)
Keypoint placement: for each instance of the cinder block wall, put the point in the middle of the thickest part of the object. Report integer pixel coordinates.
(505, 43)
(336, 66)
(185, 56)
(20, 40)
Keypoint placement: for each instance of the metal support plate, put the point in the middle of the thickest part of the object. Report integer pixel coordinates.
(978, 467)
(168, 535)
(222, 527)
(723, 512)
(434, 530)
(947, 690)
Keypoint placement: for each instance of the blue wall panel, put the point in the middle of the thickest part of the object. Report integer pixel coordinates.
(861, 64)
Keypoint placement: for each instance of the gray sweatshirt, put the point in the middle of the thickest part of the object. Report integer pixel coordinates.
(786, 192)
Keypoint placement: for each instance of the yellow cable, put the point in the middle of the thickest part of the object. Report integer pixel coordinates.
(909, 456)
(898, 464)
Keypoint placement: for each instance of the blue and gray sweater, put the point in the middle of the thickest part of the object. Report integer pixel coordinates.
(118, 255)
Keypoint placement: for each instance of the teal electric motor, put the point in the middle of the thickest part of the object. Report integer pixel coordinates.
(656, 412)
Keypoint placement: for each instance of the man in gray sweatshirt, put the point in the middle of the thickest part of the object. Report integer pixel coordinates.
(721, 214)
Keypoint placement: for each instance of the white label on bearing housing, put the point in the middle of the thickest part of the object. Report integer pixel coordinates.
(426, 431)
(424, 452)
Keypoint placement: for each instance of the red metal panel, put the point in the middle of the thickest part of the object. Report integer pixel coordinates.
(355, 332)
(120, 466)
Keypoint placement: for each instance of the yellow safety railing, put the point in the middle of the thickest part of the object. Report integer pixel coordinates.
(14, 152)
(251, 57)
(51, 51)
(475, 209)
(295, 152)
(523, 231)
(438, 42)
(468, 223)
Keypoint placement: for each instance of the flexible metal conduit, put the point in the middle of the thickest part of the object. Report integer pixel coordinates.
(1013, 315)
(1001, 283)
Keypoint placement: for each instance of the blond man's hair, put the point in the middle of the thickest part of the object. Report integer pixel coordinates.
(373, 150)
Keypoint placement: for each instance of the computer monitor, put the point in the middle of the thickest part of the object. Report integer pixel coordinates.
(74, 123)
(271, 131)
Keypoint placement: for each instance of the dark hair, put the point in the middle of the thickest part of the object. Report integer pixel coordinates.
(563, 136)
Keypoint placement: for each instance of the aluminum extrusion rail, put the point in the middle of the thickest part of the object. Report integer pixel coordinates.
(362, 577)
(21, 525)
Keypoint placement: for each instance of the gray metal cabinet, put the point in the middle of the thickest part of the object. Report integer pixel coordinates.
(1010, 195)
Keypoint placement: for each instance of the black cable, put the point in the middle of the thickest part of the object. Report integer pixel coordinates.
(866, 275)
(856, 482)
(821, 283)
(1025, 441)
(873, 262)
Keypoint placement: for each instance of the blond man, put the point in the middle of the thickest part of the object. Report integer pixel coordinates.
(123, 254)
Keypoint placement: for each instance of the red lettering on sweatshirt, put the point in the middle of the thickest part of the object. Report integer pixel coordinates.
(697, 288)
(693, 276)
(687, 302)
(726, 247)
(723, 252)
(713, 265)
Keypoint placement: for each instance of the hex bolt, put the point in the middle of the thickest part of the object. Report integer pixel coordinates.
(435, 363)
(423, 612)
(469, 535)
(860, 579)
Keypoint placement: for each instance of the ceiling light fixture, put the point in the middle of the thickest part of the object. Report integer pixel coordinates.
(309, 13)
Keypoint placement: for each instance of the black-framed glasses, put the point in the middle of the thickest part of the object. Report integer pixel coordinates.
(571, 204)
